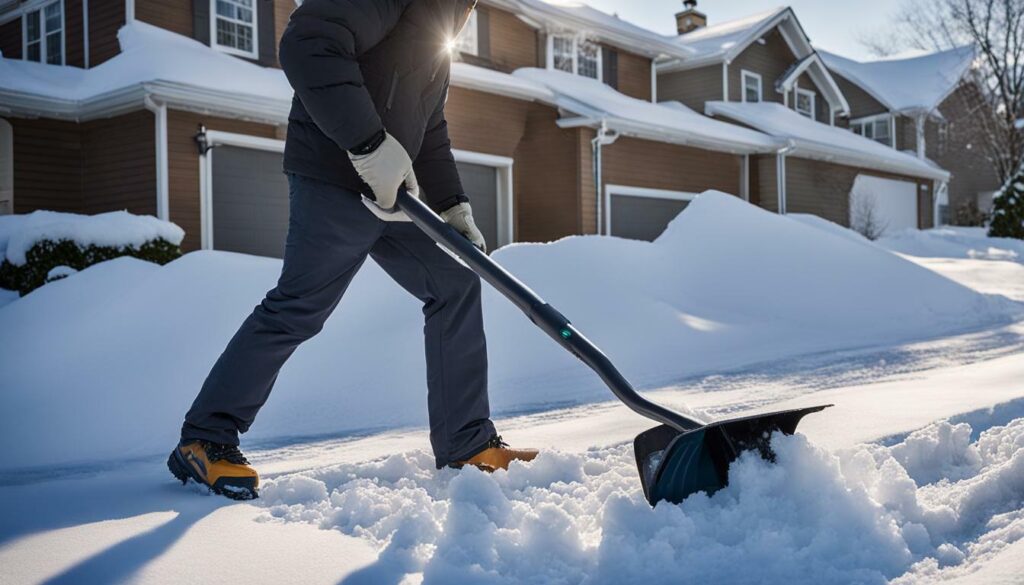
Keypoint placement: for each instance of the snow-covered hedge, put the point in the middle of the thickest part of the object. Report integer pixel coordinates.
(35, 244)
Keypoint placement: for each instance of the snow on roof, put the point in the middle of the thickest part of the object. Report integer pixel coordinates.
(592, 99)
(482, 79)
(719, 39)
(909, 84)
(821, 141)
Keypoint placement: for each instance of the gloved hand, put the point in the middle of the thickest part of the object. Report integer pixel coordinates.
(385, 169)
(460, 217)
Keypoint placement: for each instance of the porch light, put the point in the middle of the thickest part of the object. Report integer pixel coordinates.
(201, 141)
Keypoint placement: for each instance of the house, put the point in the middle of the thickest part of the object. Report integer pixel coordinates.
(930, 106)
(763, 73)
(176, 109)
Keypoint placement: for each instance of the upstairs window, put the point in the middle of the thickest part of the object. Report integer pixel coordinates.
(805, 102)
(575, 55)
(877, 128)
(468, 40)
(44, 34)
(751, 86)
(234, 27)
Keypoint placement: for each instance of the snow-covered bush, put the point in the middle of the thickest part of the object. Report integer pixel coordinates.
(1008, 208)
(34, 245)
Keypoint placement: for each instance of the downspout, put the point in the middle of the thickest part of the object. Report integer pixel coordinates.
(85, 33)
(654, 81)
(603, 138)
(725, 81)
(129, 11)
(780, 173)
(919, 123)
(162, 183)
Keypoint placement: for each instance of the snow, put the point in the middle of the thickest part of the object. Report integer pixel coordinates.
(19, 233)
(818, 140)
(909, 85)
(483, 79)
(790, 289)
(719, 39)
(955, 242)
(591, 98)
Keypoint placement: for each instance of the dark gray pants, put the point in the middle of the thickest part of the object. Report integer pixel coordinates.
(330, 234)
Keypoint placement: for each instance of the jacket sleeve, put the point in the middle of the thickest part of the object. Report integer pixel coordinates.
(435, 165)
(319, 54)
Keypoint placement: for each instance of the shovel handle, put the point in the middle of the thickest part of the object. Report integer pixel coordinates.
(543, 315)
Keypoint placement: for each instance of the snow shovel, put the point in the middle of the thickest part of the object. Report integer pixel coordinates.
(678, 458)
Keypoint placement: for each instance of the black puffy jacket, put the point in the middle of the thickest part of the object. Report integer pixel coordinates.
(359, 65)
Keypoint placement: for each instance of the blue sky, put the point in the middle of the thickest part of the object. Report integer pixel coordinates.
(832, 25)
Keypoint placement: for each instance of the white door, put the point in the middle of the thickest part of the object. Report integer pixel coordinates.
(882, 206)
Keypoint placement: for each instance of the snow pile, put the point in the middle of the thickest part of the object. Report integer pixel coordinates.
(727, 285)
(855, 517)
(954, 242)
(119, 229)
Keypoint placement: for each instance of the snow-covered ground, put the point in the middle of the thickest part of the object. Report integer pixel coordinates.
(916, 475)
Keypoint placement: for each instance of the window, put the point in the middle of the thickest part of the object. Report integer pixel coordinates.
(877, 128)
(234, 27)
(751, 86)
(44, 34)
(575, 55)
(468, 40)
(805, 102)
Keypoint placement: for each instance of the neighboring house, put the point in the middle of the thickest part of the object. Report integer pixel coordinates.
(177, 109)
(762, 72)
(930, 106)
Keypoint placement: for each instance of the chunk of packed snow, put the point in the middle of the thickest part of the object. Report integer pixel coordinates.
(727, 285)
(857, 516)
(118, 229)
(59, 272)
(954, 242)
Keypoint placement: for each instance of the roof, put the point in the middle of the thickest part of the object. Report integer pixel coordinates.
(597, 103)
(719, 41)
(917, 84)
(823, 142)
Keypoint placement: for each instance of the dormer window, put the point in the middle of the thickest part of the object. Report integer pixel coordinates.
(44, 34)
(234, 27)
(805, 102)
(751, 86)
(575, 55)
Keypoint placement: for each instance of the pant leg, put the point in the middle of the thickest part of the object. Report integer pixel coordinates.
(456, 349)
(330, 234)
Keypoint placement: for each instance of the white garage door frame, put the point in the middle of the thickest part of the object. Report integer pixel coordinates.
(215, 138)
(627, 191)
(506, 207)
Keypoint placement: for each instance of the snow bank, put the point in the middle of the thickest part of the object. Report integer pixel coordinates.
(18, 233)
(954, 242)
(726, 286)
(854, 517)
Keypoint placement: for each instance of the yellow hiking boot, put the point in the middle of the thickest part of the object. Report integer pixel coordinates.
(498, 455)
(222, 468)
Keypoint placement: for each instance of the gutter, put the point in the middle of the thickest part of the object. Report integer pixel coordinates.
(159, 110)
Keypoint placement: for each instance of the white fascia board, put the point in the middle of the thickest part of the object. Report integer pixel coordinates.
(515, 91)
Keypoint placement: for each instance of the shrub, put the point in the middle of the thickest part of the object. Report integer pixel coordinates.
(1008, 209)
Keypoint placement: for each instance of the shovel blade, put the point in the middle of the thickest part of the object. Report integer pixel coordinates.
(674, 464)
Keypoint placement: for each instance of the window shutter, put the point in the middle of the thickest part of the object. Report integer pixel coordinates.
(611, 67)
(483, 32)
(201, 21)
(265, 22)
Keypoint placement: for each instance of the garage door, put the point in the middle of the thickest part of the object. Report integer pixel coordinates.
(249, 201)
(642, 218)
(882, 206)
(481, 185)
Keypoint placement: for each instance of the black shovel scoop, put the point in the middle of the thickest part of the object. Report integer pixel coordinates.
(676, 459)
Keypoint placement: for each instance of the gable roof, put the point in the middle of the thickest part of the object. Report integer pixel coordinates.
(818, 141)
(723, 41)
(909, 86)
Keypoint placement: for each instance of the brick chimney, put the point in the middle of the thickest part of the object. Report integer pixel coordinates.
(690, 19)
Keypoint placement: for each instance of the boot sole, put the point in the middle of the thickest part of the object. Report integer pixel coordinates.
(183, 472)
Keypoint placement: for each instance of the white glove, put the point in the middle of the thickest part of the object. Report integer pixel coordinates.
(460, 217)
(385, 170)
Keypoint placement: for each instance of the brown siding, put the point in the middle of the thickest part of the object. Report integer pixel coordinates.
(47, 165)
(770, 60)
(282, 14)
(906, 134)
(10, 39)
(546, 179)
(634, 75)
(183, 165)
(105, 18)
(586, 187)
(765, 191)
(483, 122)
(693, 88)
(174, 16)
(861, 103)
(119, 164)
(74, 37)
(964, 154)
(513, 42)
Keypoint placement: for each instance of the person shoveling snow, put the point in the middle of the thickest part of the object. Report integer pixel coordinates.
(353, 138)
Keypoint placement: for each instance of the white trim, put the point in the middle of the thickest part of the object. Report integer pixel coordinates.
(796, 102)
(576, 40)
(85, 34)
(159, 110)
(875, 118)
(506, 198)
(654, 82)
(725, 81)
(745, 178)
(44, 32)
(255, 53)
(216, 138)
(26, 7)
(6, 167)
(780, 181)
(129, 11)
(744, 74)
(642, 192)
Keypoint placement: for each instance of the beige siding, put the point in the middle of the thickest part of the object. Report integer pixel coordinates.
(513, 42)
(693, 88)
(546, 179)
(634, 75)
(483, 122)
